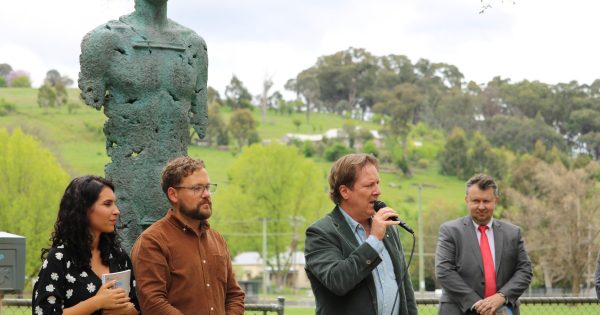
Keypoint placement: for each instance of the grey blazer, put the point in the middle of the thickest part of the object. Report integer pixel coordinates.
(339, 269)
(459, 267)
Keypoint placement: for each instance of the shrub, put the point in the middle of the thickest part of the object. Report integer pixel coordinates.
(308, 149)
(423, 163)
(18, 78)
(6, 108)
(371, 148)
(403, 165)
(581, 161)
(336, 151)
(253, 137)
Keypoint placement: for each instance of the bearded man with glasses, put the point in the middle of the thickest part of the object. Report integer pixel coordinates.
(183, 266)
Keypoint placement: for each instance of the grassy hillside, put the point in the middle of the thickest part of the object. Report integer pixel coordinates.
(77, 140)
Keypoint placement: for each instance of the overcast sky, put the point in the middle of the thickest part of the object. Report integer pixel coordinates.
(551, 41)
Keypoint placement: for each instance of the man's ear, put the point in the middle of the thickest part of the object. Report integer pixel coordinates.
(344, 191)
(172, 194)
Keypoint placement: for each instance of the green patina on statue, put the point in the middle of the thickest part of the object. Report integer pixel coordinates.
(150, 74)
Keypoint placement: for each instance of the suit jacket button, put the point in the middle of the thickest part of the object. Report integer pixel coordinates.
(368, 261)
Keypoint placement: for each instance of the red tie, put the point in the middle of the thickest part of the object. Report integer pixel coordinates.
(488, 263)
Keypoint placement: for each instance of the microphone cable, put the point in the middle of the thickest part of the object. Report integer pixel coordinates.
(412, 251)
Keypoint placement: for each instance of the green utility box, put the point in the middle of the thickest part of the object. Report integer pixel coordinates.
(12, 262)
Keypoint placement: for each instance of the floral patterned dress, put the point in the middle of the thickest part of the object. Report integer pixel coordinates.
(61, 284)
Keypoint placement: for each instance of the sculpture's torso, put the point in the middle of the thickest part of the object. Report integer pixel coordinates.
(151, 85)
(147, 82)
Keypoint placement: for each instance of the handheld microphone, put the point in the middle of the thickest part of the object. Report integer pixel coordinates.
(378, 205)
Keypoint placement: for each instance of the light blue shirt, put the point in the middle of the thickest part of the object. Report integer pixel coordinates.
(384, 275)
(490, 236)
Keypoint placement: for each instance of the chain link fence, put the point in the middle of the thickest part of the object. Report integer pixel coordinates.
(534, 306)
(264, 309)
(427, 306)
(23, 307)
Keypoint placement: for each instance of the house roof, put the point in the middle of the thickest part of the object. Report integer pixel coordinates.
(333, 133)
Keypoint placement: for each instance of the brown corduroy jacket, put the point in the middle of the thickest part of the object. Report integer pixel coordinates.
(185, 270)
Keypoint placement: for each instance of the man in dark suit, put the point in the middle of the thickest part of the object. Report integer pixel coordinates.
(481, 263)
(354, 258)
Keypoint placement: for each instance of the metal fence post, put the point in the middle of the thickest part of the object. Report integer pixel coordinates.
(280, 302)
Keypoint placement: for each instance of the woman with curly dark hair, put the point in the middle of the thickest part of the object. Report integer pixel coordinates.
(85, 246)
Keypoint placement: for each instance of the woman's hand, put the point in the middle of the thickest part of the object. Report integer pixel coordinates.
(109, 298)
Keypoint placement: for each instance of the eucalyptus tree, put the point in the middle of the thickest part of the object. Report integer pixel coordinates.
(550, 200)
(277, 186)
(237, 95)
(31, 185)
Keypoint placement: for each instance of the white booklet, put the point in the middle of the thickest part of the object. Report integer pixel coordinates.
(122, 278)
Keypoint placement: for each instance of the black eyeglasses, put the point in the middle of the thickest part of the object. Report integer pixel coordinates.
(199, 189)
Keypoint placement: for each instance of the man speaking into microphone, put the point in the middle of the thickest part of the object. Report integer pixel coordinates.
(354, 258)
